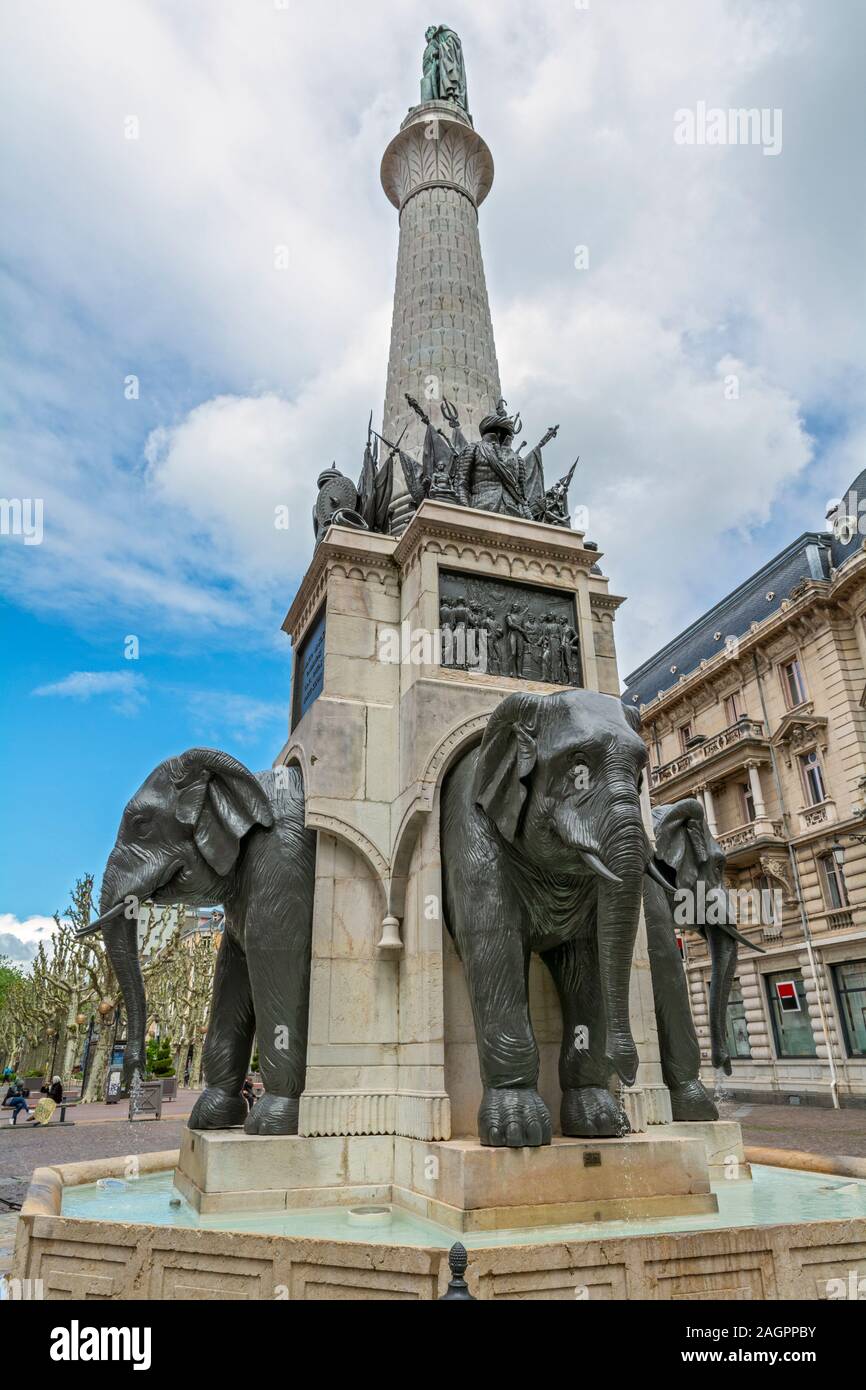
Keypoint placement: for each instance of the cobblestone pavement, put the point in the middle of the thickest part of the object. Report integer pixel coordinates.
(809, 1127)
(21, 1153)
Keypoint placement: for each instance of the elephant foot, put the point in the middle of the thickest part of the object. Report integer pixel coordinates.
(516, 1118)
(273, 1115)
(591, 1112)
(217, 1109)
(692, 1101)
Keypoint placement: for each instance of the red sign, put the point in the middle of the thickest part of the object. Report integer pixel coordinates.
(786, 993)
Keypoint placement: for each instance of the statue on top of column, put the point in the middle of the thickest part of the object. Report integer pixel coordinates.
(444, 71)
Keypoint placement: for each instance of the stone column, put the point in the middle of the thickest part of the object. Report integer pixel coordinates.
(437, 172)
(757, 791)
(709, 807)
(762, 824)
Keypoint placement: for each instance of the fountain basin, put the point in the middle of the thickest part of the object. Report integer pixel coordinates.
(785, 1235)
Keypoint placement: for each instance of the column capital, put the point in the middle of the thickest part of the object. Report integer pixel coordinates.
(437, 147)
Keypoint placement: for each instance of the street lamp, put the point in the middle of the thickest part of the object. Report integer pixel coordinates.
(837, 849)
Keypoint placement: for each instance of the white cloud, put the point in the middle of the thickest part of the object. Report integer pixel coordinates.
(19, 939)
(240, 718)
(261, 127)
(213, 713)
(125, 687)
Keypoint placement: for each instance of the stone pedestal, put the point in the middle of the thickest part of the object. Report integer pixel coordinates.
(723, 1145)
(391, 1044)
(456, 1183)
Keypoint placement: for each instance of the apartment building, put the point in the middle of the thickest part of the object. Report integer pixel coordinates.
(759, 710)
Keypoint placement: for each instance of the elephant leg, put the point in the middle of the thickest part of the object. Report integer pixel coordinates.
(589, 1110)
(280, 975)
(512, 1113)
(678, 1042)
(229, 1040)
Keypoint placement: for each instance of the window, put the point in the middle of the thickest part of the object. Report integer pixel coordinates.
(736, 1032)
(813, 778)
(792, 682)
(685, 735)
(748, 802)
(792, 1029)
(732, 709)
(850, 981)
(833, 878)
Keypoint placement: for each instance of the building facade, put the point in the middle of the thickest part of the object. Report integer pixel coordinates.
(759, 711)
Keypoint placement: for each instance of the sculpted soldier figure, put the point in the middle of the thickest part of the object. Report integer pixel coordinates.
(490, 475)
(555, 509)
(494, 652)
(571, 652)
(553, 633)
(516, 639)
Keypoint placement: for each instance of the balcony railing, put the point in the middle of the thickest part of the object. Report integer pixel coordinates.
(836, 919)
(822, 814)
(744, 729)
(746, 835)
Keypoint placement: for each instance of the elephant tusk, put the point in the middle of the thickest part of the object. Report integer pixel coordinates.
(594, 863)
(652, 872)
(100, 921)
(731, 931)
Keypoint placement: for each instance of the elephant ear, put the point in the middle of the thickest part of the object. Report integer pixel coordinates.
(506, 758)
(221, 800)
(681, 839)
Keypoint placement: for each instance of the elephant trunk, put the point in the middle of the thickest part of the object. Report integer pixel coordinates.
(723, 955)
(618, 917)
(120, 934)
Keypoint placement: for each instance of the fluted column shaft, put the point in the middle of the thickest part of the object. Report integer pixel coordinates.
(437, 172)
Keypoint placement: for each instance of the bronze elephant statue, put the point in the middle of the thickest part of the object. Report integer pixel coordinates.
(544, 849)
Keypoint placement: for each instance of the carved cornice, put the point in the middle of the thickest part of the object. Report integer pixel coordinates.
(797, 619)
(501, 536)
(352, 554)
(605, 603)
(800, 730)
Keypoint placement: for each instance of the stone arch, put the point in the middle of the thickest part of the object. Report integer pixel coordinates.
(459, 739)
(356, 840)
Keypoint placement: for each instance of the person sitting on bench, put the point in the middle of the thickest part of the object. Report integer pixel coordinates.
(16, 1099)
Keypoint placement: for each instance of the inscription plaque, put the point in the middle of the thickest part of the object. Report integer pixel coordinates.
(309, 670)
(509, 629)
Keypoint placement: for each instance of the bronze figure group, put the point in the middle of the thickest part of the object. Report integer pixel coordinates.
(519, 641)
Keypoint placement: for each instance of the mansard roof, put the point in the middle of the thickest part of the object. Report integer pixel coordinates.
(808, 557)
(813, 555)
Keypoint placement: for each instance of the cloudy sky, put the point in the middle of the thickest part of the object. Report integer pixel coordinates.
(259, 124)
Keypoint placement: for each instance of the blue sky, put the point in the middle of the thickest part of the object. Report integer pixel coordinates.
(258, 127)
